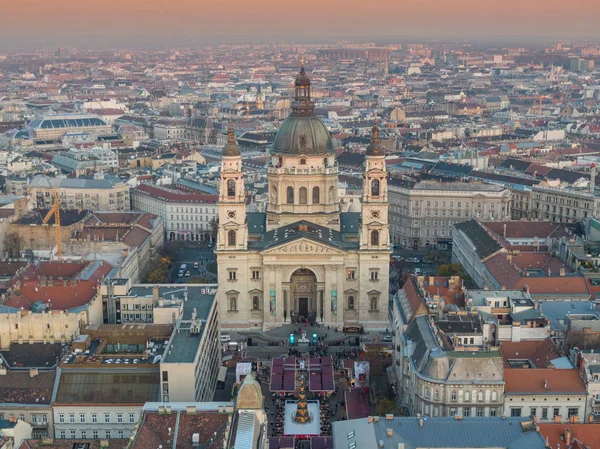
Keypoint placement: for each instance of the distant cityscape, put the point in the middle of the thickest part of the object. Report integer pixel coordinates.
(300, 246)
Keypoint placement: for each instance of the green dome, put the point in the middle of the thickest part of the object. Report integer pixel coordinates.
(302, 134)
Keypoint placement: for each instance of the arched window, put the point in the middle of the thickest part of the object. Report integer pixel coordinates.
(374, 238)
(316, 195)
(350, 302)
(255, 303)
(302, 161)
(290, 195)
(231, 238)
(303, 195)
(375, 187)
(331, 195)
(231, 187)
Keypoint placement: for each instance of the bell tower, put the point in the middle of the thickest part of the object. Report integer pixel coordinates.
(375, 230)
(233, 229)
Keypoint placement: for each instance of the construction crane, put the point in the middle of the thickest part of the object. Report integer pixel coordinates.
(55, 211)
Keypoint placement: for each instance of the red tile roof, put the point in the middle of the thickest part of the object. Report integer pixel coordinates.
(62, 295)
(157, 429)
(543, 380)
(524, 229)
(530, 261)
(502, 270)
(560, 285)
(588, 434)
(540, 353)
(135, 237)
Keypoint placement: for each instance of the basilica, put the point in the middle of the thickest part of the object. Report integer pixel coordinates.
(303, 258)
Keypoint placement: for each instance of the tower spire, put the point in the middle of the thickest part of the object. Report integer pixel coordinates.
(231, 148)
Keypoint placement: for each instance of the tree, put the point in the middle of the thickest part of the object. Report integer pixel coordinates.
(384, 406)
(166, 113)
(214, 228)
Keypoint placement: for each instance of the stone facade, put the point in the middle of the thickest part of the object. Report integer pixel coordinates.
(303, 258)
(423, 214)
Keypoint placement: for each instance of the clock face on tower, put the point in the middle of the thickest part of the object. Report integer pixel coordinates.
(231, 214)
(375, 214)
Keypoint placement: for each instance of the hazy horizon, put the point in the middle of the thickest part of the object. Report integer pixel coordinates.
(160, 23)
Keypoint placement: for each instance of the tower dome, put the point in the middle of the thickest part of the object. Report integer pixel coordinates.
(375, 148)
(302, 133)
(231, 148)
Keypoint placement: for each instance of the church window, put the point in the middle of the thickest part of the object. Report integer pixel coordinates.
(303, 195)
(231, 238)
(231, 187)
(255, 275)
(351, 274)
(302, 161)
(374, 275)
(316, 195)
(232, 275)
(290, 195)
(375, 238)
(375, 187)
(350, 302)
(255, 303)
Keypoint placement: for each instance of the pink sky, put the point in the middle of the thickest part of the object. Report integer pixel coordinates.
(197, 20)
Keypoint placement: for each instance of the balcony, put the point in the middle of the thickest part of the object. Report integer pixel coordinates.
(303, 170)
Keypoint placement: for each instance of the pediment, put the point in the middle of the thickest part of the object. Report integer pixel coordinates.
(302, 246)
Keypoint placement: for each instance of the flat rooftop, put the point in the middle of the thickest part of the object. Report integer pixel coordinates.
(184, 344)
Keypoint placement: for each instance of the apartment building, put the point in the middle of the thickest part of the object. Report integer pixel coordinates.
(186, 216)
(102, 193)
(457, 381)
(549, 394)
(189, 363)
(563, 205)
(170, 129)
(422, 214)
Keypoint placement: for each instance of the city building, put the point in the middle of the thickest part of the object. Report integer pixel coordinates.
(303, 259)
(100, 193)
(28, 373)
(437, 381)
(190, 362)
(563, 204)
(102, 401)
(437, 432)
(49, 302)
(81, 162)
(422, 215)
(170, 129)
(13, 432)
(548, 394)
(186, 216)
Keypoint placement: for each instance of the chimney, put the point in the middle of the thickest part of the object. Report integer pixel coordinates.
(562, 271)
(567, 437)
(155, 293)
(389, 417)
(389, 432)
(420, 422)
(504, 230)
(593, 179)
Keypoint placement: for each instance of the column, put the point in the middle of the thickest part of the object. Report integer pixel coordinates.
(277, 274)
(327, 316)
(340, 295)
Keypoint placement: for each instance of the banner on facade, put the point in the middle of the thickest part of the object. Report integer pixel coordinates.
(272, 302)
(334, 302)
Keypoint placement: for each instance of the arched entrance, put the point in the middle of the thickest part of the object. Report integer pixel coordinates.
(303, 289)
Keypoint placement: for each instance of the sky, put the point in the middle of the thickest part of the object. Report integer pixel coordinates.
(132, 23)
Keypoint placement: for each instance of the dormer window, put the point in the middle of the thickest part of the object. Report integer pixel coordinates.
(302, 161)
